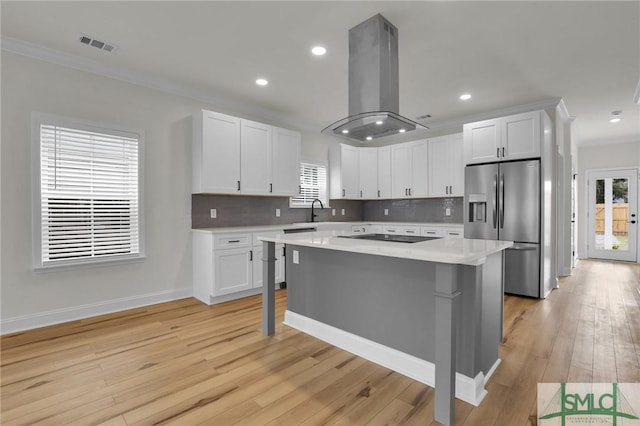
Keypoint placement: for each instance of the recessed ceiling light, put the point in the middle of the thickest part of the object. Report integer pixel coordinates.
(402, 130)
(262, 82)
(615, 120)
(369, 138)
(615, 116)
(318, 50)
(465, 97)
(379, 122)
(345, 131)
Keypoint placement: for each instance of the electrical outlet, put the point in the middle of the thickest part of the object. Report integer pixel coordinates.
(342, 212)
(214, 213)
(447, 211)
(277, 212)
(386, 212)
(296, 257)
(333, 212)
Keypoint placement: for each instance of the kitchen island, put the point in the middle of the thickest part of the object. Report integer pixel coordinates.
(430, 310)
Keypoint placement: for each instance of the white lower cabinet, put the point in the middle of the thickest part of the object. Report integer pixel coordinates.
(229, 266)
(404, 230)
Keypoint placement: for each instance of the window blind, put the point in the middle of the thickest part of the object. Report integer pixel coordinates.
(313, 184)
(89, 194)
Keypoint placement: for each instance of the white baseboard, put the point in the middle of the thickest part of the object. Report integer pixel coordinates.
(58, 316)
(468, 389)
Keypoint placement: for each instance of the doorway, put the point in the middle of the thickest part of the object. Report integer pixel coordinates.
(612, 215)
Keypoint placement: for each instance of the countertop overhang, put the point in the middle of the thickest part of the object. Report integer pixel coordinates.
(461, 251)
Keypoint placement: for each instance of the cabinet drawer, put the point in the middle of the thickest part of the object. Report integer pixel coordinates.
(223, 241)
(432, 232)
(404, 230)
(454, 232)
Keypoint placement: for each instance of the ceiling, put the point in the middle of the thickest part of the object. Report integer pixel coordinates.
(505, 54)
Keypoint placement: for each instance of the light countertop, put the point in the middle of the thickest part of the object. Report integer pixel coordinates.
(461, 251)
(268, 228)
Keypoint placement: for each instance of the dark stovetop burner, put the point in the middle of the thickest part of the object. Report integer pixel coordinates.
(390, 237)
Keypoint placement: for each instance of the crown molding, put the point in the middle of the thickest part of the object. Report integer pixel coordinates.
(459, 121)
(35, 51)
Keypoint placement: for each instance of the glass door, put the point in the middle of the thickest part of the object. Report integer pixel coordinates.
(613, 202)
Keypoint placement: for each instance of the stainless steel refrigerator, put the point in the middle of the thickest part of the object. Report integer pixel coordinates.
(502, 202)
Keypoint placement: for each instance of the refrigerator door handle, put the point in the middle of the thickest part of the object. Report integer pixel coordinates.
(521, 248)
(502, 200)
(495, 197)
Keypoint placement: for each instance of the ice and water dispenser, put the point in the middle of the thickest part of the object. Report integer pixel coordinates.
(477, 208)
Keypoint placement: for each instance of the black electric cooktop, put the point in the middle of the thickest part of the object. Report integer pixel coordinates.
(387, 237)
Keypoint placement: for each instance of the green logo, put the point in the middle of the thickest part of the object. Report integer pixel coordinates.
(591, 404)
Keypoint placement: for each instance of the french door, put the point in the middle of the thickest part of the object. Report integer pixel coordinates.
(613, 214)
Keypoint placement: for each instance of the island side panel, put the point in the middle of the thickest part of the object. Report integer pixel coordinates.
(492, 310)
(387, 300)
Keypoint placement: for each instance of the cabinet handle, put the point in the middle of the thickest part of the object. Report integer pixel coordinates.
(270, 187)
(234, 241)
(343, 193)
(446, 189)
(406, 191)
(503, 152)
(498, 152)
(238, 185)
(409, 191)
(250, 255)
(378, 193)
(299, 189)
(361, 193)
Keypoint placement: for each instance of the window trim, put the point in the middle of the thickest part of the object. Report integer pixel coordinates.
(322, 163)
(39, 118)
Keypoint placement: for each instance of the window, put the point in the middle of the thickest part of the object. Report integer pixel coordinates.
(313, 184)
(88, 193)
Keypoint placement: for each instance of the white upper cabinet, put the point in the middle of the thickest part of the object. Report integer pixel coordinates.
(216, 153)
(285, 163)
(255, 158)
(344, 171)
(446, 166)
(384, 172)
(368, 176)
(501, 139)
(409, 170)
(237, 156)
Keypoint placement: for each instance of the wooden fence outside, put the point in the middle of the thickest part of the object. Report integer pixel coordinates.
(620, 217)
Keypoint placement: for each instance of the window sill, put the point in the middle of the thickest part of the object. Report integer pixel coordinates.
(89, 264)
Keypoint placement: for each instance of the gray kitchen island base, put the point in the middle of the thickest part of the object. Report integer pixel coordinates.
(439, 323)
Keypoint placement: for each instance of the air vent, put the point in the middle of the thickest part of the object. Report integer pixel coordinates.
(102, 45)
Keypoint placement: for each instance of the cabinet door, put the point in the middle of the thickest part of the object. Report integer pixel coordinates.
(349, 171)
(368, 176)
(220, 153)
(419, 169)
(232, 271)
(482, 141)
(446, 166)
(400, 170)
(384, 172)
(440, 167)
(280, 254)
(285, 163)
(521, 136)
(255, 146)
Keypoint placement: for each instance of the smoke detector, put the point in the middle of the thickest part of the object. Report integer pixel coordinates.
(102, 45)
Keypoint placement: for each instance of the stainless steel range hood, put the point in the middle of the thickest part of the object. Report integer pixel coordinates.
(373, 84)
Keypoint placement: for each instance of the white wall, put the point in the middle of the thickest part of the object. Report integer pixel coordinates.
(610, 155)
(32, 299)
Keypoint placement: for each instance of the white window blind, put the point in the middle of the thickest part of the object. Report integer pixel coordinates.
(89, 194)
(313, 184)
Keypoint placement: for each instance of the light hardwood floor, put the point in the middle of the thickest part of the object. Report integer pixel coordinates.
(187, 363)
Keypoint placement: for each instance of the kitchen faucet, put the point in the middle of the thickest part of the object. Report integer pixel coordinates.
(313, 215)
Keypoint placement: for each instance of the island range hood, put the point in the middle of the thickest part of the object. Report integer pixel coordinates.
(373, 84)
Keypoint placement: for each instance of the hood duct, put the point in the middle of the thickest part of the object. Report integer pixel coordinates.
(373, 84)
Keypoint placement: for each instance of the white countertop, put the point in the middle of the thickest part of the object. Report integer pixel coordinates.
(461, 251)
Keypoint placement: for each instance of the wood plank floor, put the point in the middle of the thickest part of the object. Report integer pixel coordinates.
(186, 363)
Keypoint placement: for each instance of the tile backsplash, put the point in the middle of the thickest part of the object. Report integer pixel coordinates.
(414, 210)
(238, 210)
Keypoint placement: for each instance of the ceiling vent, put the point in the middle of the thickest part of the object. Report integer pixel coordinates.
(102, 45)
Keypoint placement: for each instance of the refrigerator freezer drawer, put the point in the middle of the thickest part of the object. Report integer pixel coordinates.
(522, 270)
